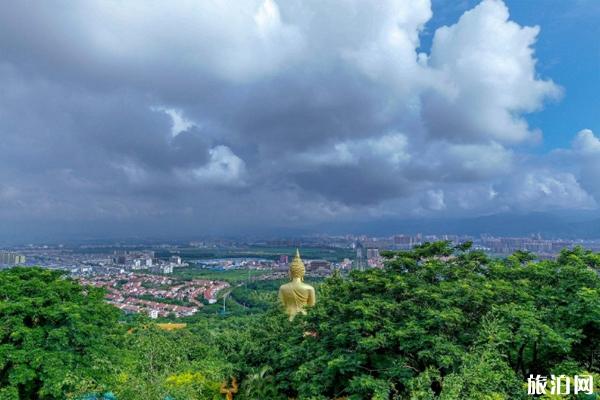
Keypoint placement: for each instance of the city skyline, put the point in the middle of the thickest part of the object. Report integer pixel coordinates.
(181, 119)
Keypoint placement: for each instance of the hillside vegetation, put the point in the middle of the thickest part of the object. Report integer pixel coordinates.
(438, 322)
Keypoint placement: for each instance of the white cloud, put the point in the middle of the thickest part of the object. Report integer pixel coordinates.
(480, 161)
(586, 156)
(390, 57)
(224, 168)
(267, 18)
(487, 71)
(187, 41)
(328, 102)
(547, 189)
(390, 149)
(443, 161)
(179, 122)
(586, 143)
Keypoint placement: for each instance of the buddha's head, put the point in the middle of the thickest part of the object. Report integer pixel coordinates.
(297, 267)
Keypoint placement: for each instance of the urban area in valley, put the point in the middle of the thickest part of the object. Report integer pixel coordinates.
(179, 280)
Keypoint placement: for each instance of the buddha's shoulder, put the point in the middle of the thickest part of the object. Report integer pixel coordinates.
(292, 286)
(307, 287)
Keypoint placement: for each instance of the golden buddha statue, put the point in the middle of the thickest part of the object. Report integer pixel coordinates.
(296, 295)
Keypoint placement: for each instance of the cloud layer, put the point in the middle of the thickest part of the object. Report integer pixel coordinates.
(274, 113)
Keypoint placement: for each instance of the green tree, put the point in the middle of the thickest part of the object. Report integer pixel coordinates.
(437, 322)
(55, 335)
(180, 364)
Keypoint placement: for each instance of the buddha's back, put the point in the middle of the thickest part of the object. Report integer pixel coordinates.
(296, 295)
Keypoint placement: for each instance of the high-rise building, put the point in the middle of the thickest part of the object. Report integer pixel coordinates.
(372, 252)
(9, 258)
(361, 260)
(119, 257)
(284, 259)
(176, 260)
(360, 251)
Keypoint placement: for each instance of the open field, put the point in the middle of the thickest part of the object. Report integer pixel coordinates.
(232, 276)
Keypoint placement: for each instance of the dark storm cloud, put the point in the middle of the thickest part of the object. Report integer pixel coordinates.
(353, 185)
(268, 112)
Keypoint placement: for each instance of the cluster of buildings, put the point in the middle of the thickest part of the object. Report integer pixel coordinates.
(154, 309)
(9, 259)
(224, 264)
(314, 268)
(157, 296)
(85, 261)
(367, 257)
(542, 247)
(146, 260)
(367, 248)
(350, 251)
(317, 267)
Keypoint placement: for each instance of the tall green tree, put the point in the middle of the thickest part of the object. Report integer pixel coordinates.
(177, 364)
(55, 335)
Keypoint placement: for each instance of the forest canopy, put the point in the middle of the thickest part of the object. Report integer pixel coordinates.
(437, 322)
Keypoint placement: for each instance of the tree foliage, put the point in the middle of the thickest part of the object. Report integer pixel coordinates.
(441, 322)
(180, 364)
(55, 335)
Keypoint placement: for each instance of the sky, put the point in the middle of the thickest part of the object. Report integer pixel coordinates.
(221, 117)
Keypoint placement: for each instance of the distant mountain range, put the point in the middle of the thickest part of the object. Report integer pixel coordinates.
(570, 225)
(551, 225)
